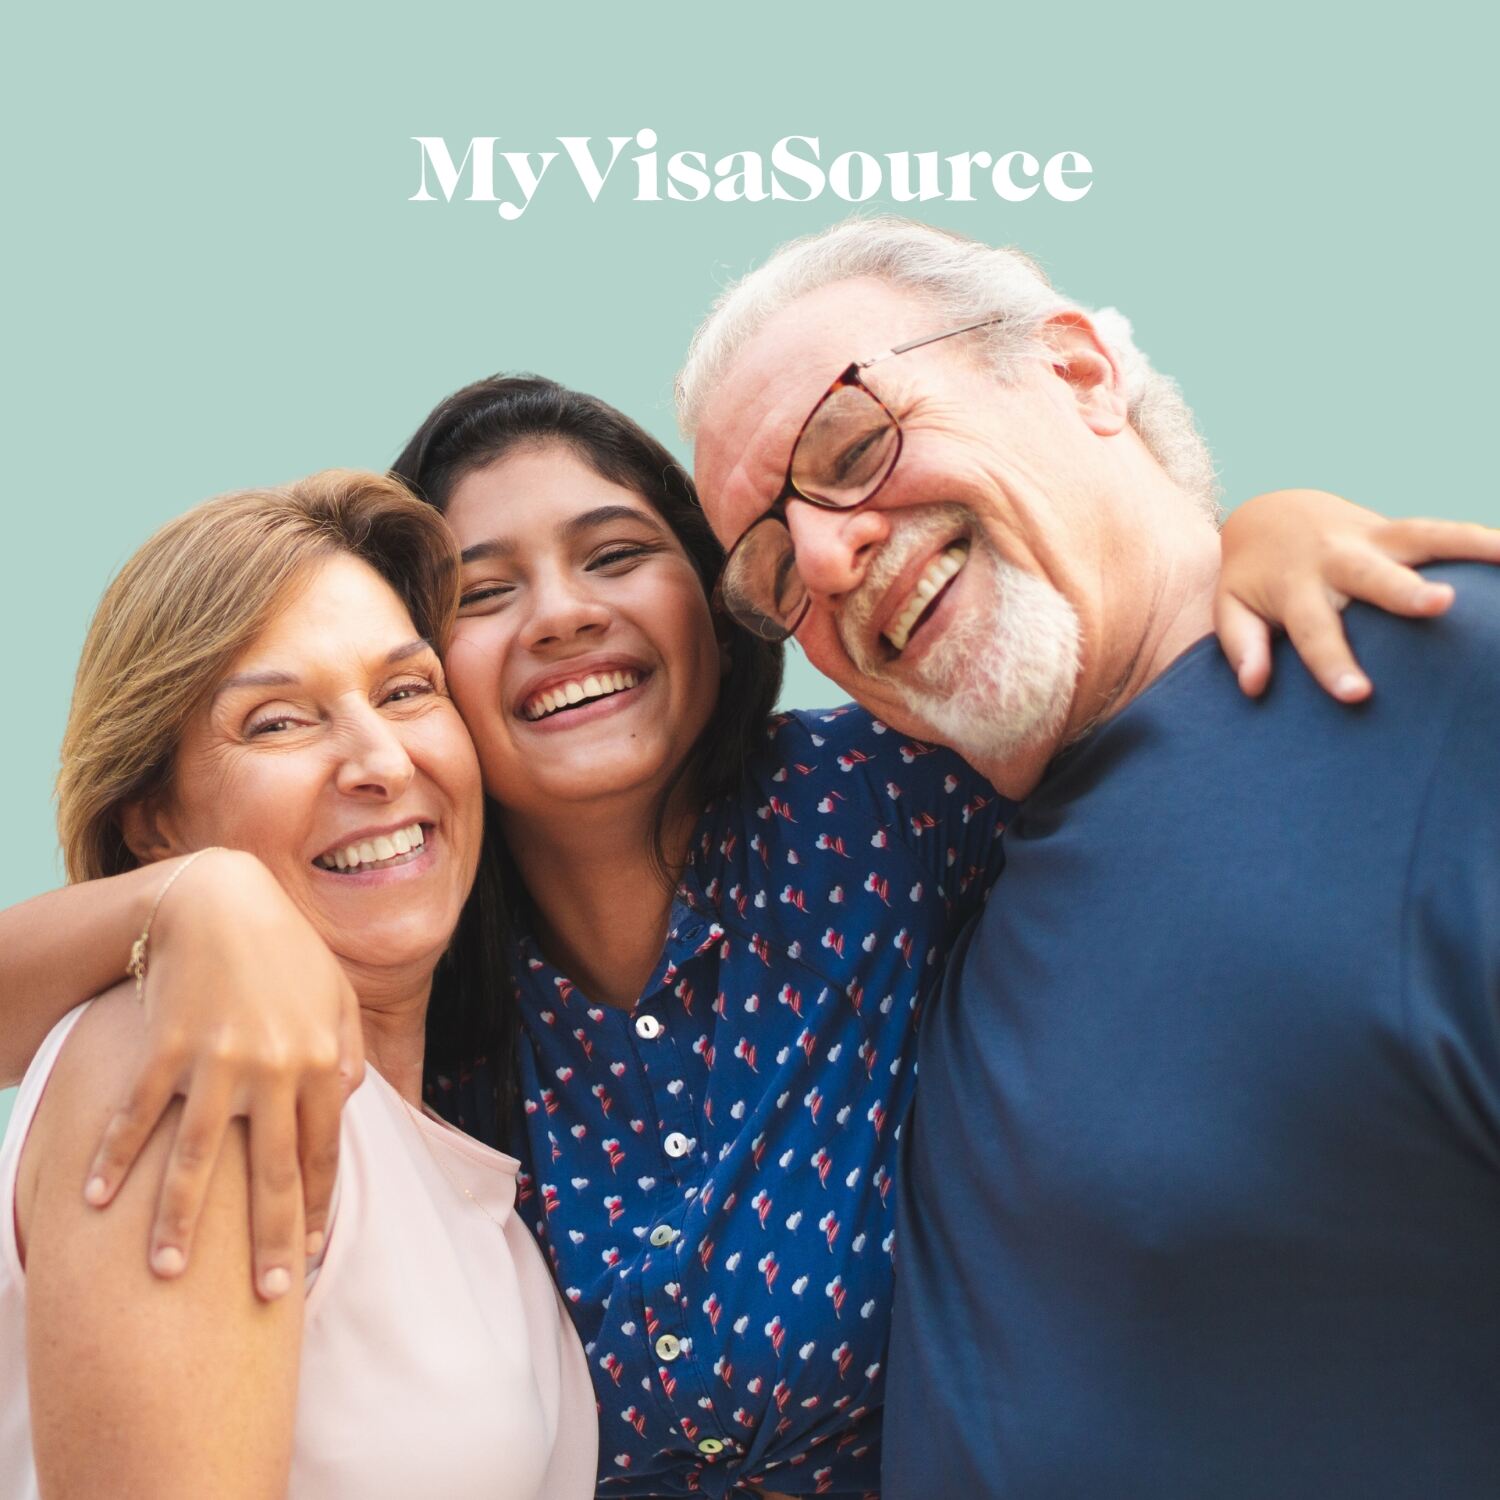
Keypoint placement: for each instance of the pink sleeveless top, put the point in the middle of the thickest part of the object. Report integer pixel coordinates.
(437, 1357)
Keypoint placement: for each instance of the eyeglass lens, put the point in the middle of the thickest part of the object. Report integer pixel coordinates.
(842, 457)
(846, 449)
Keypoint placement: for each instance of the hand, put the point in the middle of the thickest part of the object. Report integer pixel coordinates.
(247, 1013)
(1295, 558)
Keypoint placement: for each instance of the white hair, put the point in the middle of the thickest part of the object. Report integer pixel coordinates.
(1001, 677)
(963, 279)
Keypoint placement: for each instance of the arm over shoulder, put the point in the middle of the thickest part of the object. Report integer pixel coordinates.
(141, 1386)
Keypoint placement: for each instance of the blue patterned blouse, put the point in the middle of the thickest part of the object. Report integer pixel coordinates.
(711, 1172)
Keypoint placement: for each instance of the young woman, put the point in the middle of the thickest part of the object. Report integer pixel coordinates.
(261, 689)
(719, 928)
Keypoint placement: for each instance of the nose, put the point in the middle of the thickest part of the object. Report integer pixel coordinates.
(834, 547)
(563, 607)
(375, 764)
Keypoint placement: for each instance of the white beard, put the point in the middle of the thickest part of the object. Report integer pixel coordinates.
(1001, 678)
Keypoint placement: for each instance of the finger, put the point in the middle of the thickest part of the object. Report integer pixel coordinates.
(318, 1117)
(190, 1166)
(276, 1233)
(1369, 574)
(1316, 629)
(1245, 640)
(351, 1043)
(1419, 541)
(129, 1129)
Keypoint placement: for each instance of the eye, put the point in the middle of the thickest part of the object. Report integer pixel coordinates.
(404, 692)
(623, 553)
(485, 594)
(275, 724)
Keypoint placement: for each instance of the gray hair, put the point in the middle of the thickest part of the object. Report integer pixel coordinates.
(963, 279)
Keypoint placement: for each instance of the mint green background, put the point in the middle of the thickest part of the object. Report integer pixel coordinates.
(216, 278)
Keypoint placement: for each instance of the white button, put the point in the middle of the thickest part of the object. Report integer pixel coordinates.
(663, 1234)
(648, 1027)
(668, 1347)
(710, 1445)
(675, 1144)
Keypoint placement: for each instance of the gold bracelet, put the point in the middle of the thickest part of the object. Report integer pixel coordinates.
(137, 964)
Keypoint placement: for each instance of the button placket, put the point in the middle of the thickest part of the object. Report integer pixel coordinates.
(662, 1039)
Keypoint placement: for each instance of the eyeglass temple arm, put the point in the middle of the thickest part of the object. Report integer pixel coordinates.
(930, 338)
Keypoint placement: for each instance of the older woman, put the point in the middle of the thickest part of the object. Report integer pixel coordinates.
(263, 677)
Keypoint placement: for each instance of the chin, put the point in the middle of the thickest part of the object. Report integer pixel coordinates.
(1001, 680)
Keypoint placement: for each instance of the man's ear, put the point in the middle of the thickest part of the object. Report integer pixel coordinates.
(147, 830)
(1090, 369)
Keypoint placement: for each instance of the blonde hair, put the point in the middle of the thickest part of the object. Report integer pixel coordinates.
(195, 597)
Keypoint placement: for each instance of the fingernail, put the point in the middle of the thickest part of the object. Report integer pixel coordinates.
(1432, 594)
(168, 1260)
(95, 1191)
(277, 1282)
(315, 1244)
(1350, 685)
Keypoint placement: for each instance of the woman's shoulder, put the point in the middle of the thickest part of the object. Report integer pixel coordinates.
(85, 1059)
(75, 1085)
(849, 765)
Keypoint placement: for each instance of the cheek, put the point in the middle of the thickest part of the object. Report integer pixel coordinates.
(697, 647)
(443, 751)
(473, 669)
(261, 803)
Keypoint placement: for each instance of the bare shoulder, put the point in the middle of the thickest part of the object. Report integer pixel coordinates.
(86, 1085)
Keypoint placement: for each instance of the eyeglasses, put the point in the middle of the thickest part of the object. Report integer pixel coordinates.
(844, 453)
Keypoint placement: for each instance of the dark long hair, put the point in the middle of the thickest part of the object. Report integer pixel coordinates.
(472, 1012)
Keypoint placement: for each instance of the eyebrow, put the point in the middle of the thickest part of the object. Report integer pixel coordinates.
(570, 530)
(399, 653)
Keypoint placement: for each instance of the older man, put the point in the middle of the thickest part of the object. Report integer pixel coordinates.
(1202, 1189)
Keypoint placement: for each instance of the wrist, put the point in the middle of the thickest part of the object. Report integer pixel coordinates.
(223, 889)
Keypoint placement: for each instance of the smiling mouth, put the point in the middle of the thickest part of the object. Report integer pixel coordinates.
(400, 847)
(578, 691)
(928, 589)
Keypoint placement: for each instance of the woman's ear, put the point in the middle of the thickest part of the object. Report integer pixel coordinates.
(147, 831)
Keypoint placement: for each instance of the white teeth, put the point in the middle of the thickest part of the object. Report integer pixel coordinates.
(566, 694)
(376, 851)
(937, 573)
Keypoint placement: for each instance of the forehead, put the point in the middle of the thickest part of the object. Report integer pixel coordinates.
(339, 604)
(754, 415)
(524, 497)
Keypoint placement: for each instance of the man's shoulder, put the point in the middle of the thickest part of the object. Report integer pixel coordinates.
(1457, 652)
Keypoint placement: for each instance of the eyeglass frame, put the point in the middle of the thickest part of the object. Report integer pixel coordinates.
(777, 511)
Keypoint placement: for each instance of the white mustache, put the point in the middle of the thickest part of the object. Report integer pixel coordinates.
(913, 532)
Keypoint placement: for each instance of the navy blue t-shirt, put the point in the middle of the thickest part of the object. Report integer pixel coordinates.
(1201, 1193)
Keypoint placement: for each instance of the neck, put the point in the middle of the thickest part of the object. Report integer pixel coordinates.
(1149, 599)
(393, 1021)
(601, 900)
